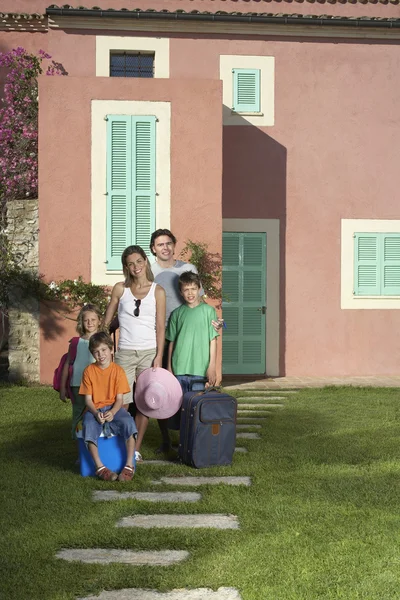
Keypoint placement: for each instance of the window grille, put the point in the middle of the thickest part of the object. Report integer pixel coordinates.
(127, 64)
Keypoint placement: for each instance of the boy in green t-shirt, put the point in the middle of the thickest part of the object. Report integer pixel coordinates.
(192, 351)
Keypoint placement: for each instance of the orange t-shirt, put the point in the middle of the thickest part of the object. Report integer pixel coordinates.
(104, 384)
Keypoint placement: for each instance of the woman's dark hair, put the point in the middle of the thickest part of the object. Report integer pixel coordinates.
(159, 233)
(135, 250)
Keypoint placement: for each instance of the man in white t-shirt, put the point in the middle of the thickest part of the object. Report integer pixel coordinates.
(166, 271)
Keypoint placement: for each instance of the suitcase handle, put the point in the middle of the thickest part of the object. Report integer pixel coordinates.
(214, 388)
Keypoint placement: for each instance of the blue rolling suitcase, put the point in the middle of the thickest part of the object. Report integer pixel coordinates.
(208, 428)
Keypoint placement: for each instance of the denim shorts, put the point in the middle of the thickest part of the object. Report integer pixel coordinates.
(123, 425)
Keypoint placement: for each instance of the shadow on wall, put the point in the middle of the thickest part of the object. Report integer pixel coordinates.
(254, 187)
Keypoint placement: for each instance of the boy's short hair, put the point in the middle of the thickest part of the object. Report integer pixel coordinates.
(101, 337)
(159, 233)
(188, 278)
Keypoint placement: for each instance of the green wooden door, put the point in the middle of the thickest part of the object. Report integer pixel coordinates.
(244, 303)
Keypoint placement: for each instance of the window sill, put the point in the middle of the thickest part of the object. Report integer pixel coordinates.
(376, 297)
(247, 114)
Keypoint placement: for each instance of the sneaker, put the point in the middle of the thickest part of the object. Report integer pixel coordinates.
(138, 457)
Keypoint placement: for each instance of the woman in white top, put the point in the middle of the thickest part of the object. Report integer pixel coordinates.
(141, 315)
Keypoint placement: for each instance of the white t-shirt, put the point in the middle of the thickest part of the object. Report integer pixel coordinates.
(137, 333)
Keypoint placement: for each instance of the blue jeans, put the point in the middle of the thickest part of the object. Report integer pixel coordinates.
(122, 424)
(189, 383)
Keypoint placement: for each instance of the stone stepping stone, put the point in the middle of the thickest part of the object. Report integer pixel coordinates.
(158, 462)
(195, 481)
(248, 426)
(161, 558)
(247, 398)
(99, 496)
(248, 436)
(250, 419)
(259, 413)
(223, 593)
(241, 450)
(213, 521)
(262, 406)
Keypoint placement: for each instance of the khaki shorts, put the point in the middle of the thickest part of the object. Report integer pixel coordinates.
(134, 362)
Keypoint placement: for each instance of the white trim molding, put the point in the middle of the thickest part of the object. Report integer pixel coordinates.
(271, 228)
(348, 228)
(101, 108)
(266, 64)
(106, 44)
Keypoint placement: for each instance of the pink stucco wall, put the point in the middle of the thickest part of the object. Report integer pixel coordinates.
(65, 170)
(332, 154)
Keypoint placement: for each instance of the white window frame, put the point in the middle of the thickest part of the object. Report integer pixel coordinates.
(266, 66)
(348, 228)
(157, 46)
(101, 108)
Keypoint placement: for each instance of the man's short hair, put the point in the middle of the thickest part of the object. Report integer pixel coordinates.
(101, 337)
(188, 278)
(158, 233)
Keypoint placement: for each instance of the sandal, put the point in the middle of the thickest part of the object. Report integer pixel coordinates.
(138, 457)
(127, 473)
(105, 474)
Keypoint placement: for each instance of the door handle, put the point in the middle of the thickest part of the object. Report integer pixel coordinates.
(262, 309)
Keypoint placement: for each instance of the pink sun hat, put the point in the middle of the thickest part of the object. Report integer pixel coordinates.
(158, 393)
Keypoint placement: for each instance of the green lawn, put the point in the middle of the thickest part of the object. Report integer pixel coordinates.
(321, 520)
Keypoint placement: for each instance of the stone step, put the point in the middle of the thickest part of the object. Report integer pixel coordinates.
(183, 521)
(250, 419)
(257, 406)
(259, 413)
(241, 450)
(99, 496)
(223, 593)
(161, 558)
(248, 436)
(246, 398)
(195, 481)
(248, 426)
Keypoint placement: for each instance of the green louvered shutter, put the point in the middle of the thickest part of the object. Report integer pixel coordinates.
(131, 179)
(390, 274)
(366, 264)
(377, 264)
(144, 180)
(244, 293)
(119, 199)
(246, 90)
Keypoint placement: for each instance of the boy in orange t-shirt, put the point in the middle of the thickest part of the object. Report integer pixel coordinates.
(103, 385)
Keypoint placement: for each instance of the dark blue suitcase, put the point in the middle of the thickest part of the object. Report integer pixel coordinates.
(208, 429)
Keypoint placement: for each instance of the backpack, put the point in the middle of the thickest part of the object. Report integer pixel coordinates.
(73, 347)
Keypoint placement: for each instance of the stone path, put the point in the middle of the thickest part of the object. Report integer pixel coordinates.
(250, 408)
(248, 436)
(147, 496)
(223, 593)
(256, 406)
(196, 481)
(247, 398)
(215, 521)
(161, 558)
(259, 413)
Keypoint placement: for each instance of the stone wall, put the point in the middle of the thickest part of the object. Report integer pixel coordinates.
(24, 312)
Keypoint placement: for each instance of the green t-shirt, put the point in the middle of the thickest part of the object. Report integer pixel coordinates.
(191, 331)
